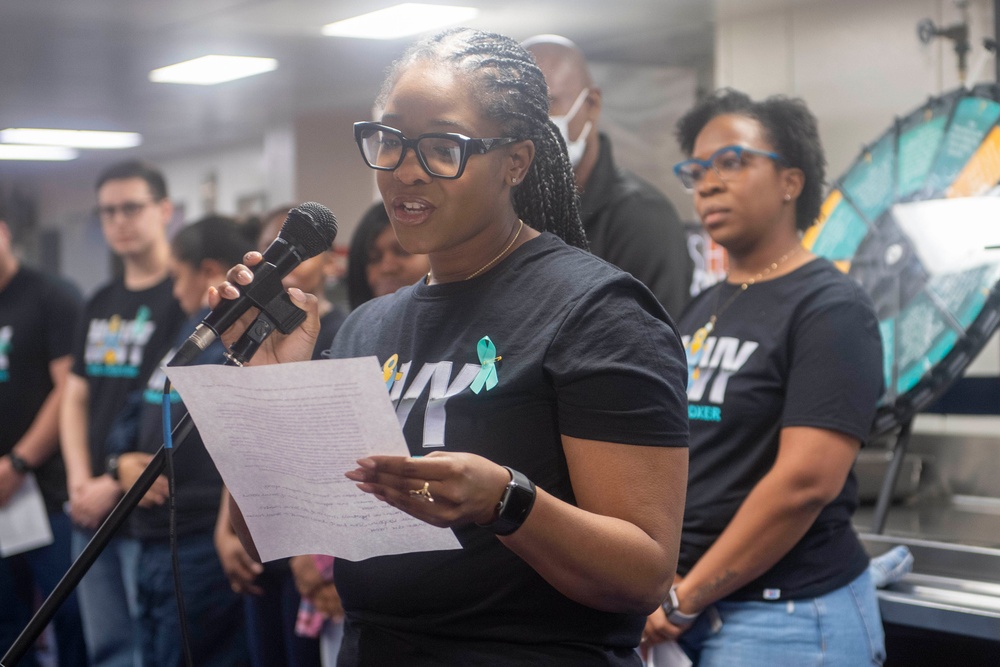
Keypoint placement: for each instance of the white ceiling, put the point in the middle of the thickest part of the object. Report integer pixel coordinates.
(83, 63)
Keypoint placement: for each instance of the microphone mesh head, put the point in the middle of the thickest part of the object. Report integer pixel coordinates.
(310, 228)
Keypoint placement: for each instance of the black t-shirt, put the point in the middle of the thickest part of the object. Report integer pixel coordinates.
(588, 352)
(801, 350)
(632, 225)
(37, 316)
(197, 482)
(329, 325)
(123, 335)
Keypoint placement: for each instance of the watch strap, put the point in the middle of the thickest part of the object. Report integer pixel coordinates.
(19, 465)
(515, 504)
(674, 614)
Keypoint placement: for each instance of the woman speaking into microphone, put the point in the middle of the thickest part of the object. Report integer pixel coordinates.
(555, 441)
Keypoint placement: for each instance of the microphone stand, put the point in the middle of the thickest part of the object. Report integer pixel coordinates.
(280, 314)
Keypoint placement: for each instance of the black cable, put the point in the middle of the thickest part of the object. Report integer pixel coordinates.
(174, 557)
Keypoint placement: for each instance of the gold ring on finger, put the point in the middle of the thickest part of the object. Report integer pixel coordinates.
(424, 493)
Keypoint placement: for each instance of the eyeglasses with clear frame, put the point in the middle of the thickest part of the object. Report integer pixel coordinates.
(129, 210)
(441, 154)
(727, 163)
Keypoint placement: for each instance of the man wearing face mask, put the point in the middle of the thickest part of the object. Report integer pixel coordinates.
(628, 222)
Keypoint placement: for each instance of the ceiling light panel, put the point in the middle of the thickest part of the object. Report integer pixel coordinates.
(409, 18)
(73, 138)
(213, 69)
(47, 153)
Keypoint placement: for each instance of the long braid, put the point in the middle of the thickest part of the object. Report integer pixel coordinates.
(512, 91)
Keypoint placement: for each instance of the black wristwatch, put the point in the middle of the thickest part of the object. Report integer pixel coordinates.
(515, 504)
(111, 467)
(19, 465)
(674, 614)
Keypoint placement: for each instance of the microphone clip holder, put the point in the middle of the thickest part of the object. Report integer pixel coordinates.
(279, 313)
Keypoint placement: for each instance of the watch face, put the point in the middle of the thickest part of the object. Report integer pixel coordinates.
(112, 466)
(670, 604)
(518, 498)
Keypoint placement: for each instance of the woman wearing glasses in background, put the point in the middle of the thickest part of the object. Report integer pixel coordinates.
(555, 443)
(785, 369)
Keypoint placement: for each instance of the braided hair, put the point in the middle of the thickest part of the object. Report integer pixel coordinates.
(511, 91)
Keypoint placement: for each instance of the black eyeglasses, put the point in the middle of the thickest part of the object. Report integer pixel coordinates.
(129, 209)
(727, 163)
(441, 154)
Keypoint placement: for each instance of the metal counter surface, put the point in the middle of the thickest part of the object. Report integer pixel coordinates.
(955, 583)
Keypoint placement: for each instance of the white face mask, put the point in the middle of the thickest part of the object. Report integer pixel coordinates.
(574, 148)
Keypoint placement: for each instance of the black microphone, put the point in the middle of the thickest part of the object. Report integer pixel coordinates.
(308, 230)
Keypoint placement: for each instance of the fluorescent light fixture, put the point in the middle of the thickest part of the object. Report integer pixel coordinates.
(408, 18)
(50, 153)
(210, 70)
(74, 138)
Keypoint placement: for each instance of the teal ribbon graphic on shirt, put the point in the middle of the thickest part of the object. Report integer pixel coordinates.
(487, 376)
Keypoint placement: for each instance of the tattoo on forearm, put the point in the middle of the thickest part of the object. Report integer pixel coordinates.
(709, 592)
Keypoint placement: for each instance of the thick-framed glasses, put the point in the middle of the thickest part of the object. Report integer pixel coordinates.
(129, 210)
(441, 154)
(727, 163)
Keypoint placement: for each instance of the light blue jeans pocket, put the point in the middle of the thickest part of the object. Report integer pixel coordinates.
(841, 628)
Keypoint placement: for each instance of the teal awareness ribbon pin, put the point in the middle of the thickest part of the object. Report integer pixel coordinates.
(487, 375)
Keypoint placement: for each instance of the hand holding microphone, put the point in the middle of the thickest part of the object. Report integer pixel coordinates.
(295, 346)
(255, 286)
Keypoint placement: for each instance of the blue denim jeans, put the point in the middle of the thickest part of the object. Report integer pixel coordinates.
(330, 641)
(840, 629)
(214, 612)
(271, 622)
(108, 602)
(23, 576)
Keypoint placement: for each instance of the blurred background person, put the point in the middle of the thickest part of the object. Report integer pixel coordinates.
(126, 328)
(271, 600)
(38, 313)
(200, 255)
(376, 264)
(785, 371)
(628, 221)
(313, 276)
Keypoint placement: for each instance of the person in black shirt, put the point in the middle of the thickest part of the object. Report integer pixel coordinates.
(271, 599)
(127, 326)
(785, 371)
(528, 370)
(200, 254)
(628, 221)
(38, 312)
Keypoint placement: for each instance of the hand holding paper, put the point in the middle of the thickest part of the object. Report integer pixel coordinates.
(283, 435)
(24, 524)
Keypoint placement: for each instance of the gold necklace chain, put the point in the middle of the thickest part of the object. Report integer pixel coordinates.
(695, 346)
(492, 261)
(744, 286)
